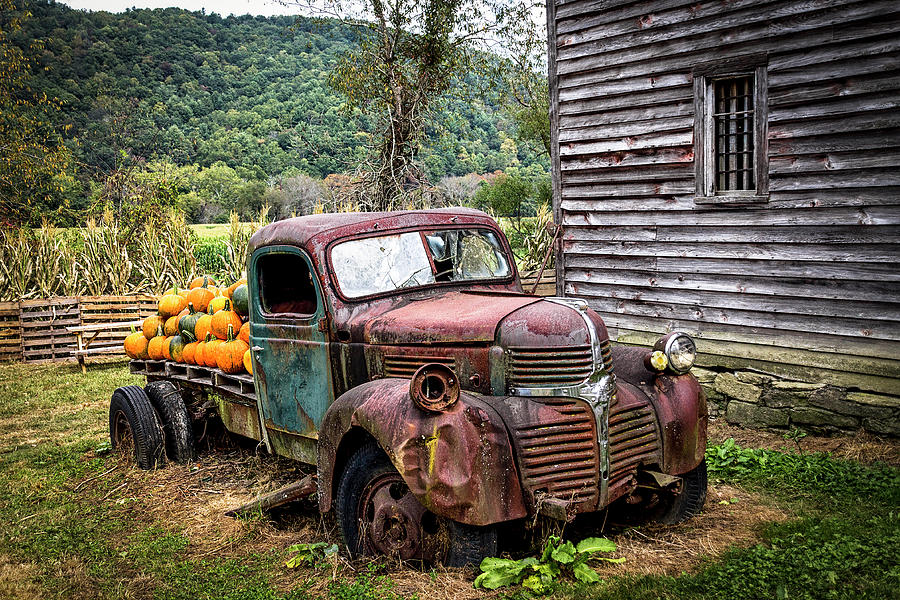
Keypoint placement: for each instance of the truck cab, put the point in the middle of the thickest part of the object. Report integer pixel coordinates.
(398, 354)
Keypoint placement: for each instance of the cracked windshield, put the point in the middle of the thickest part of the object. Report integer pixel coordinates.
(386, 263)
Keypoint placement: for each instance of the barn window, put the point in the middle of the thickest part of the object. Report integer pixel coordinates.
(730, 138)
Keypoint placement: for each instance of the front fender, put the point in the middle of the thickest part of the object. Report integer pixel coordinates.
(458, 463)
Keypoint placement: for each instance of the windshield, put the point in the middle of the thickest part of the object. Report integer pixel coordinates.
(386, 263)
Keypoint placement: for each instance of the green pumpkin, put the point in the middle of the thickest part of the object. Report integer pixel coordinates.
(240, 300)
(176, 348)
(188, 322)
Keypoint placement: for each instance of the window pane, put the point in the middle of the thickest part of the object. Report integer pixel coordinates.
(381, 264)
(464, 254)
(734, 130)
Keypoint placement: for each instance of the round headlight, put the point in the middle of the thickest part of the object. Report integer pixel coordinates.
(681, 351)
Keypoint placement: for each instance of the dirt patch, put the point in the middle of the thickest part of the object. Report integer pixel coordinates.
(731, 517)
(862, 447)
(193, 499)
(17, 580)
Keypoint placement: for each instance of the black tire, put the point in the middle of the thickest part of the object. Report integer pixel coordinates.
(134, 426)
(689, 502)
(442, 540)
(178, 431)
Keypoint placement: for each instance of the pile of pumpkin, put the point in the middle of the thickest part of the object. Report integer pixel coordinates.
(203, 325)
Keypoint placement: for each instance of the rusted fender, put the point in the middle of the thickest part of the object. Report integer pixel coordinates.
(459, 463)
(681, 407)
(679, 403)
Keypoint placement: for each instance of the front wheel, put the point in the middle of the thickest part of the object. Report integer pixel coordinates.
(379, 515)
(689, 502)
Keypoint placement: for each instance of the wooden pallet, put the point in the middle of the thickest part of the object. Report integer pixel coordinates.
(44, 333)
(10, 332)
(115, 309)
(546, 286)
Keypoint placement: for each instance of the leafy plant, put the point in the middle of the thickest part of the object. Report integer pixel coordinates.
(815, 474)
(313, 555)
(537, 574)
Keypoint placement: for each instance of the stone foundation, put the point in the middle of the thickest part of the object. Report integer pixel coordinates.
(753, 399)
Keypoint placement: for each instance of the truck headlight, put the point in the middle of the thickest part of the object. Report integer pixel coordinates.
(680, 349)
(434, 387)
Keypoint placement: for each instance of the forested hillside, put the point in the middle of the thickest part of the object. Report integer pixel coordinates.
(247, 93)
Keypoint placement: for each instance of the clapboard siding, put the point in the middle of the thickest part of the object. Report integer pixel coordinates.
(810, 277)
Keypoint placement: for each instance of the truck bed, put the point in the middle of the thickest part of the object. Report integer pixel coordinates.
(236, 388)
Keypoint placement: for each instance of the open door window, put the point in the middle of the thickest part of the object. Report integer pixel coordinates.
(286, 286)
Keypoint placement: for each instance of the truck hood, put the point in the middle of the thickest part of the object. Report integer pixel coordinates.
(452, 318)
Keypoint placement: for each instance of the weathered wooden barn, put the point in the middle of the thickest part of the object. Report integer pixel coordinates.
(731, 169)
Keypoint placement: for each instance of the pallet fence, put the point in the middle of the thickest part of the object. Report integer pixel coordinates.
(546, 286)
(35, 330)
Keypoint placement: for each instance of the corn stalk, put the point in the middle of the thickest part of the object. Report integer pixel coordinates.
(105, 264)
(16, 264)
(180, 250)
(47, 261)
(150, 262)
(234, 263)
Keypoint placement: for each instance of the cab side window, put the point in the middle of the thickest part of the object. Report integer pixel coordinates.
(285, 285)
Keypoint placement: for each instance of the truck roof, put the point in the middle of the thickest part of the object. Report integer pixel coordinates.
(319, 230)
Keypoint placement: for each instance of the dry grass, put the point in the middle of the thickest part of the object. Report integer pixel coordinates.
(862, 447)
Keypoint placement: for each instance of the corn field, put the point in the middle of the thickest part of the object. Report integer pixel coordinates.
(100, 259)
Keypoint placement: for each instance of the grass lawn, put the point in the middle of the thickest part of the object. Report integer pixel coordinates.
(78, 522)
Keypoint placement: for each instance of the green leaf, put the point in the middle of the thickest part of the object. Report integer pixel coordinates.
(552, 542)
(496, 578)
(617, 561)
(564, 553)
(596, 544)
(535, 584)
(585, 574)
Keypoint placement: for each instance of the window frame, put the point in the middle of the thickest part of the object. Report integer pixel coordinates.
(276, 317)
(705, 137)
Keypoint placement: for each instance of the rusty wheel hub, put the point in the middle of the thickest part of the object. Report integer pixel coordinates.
(394, 522)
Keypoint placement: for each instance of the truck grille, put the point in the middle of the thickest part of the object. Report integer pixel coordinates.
(632, 441)
(549, 367)
(559, 455)
(396, 365)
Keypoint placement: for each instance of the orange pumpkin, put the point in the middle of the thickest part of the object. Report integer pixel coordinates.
(136, 345)
(202, 281)
(209, 353)
(244, 332)
(171, 326)
(230, 289)
(200, 350)
(203, 326)
(248, 362)
(230, 353)
(151, 324)
(189, 353)
(165, 350)
(200, 297)
(155, 346)
(170, 305)
(222, 321)
(218, 303)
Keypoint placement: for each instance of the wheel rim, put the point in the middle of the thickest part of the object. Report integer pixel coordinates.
(122, 434)
(394, 523)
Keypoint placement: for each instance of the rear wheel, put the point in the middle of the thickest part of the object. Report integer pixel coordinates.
(378, 514)
(689, 502)
(134, 427)
(176, 421)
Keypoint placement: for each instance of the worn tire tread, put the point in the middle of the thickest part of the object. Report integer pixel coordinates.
(178, 431)
(146, 429)
(692, 498)
(469, 544)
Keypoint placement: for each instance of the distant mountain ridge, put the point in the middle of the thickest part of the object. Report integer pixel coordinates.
(251, 92)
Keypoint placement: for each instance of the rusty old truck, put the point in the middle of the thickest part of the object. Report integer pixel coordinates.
(397, 353)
